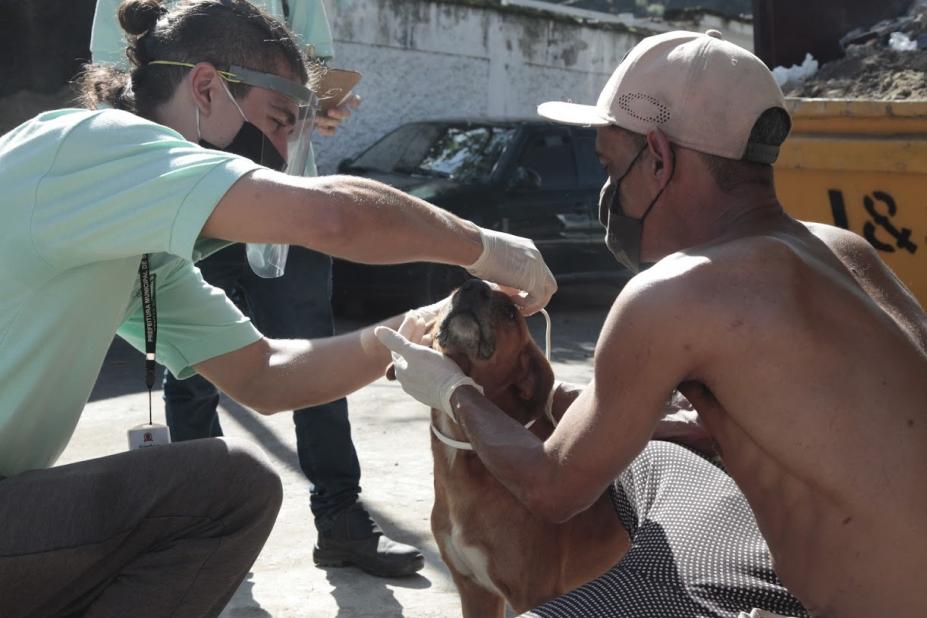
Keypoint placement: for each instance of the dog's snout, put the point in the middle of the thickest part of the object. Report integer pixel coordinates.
(468, 325)
(475, 290)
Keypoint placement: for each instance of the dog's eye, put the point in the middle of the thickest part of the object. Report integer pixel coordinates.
(511, 312)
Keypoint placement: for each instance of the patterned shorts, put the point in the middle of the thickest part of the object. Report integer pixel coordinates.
(695, 548)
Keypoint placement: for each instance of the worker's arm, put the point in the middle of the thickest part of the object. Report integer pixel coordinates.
(366, 221)
(274, 375)
(344, 216)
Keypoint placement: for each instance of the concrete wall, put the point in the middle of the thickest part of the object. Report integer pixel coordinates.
(442, 60)
(420, 59)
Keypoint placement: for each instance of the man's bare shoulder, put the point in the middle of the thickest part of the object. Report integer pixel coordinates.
(876, 279)
(844, 243)
(692, 300)
(720, 271)
(690, 294)
(652, 305)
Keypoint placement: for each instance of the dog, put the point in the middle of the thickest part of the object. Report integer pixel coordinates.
(497, 550)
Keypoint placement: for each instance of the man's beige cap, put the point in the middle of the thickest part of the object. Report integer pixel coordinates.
(703, 92)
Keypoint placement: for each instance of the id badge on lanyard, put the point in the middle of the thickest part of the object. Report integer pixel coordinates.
(150, 433)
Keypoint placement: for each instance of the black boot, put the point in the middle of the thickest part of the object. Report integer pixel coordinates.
(354, 538)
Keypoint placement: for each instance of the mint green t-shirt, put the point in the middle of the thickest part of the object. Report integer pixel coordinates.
(85, 194)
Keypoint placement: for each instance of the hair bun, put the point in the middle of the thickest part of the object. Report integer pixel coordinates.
(140, 16)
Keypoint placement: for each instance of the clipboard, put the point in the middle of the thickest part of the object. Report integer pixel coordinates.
(335, 86)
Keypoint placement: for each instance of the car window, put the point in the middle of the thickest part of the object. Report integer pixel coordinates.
(550, 155)
(386, 153)
(591, 172)
(466, 153)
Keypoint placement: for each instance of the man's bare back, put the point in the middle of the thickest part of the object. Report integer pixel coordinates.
(812, 379)
(805, 357)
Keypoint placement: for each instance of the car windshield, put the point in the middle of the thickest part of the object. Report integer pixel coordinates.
(466, 153)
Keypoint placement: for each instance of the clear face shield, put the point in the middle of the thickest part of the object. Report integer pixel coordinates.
(269, 260)
(305, 102)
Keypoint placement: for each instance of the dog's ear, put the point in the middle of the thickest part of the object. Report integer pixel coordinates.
(535, 378)
(391, 372)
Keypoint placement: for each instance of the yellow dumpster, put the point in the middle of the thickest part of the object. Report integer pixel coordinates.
(862, 165)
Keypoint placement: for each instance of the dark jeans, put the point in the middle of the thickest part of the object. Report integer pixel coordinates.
(294, 306)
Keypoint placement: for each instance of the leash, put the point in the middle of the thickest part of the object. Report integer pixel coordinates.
(548, 411)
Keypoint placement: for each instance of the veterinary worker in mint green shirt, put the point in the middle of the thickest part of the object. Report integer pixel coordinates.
(294, 303)
(172, 530)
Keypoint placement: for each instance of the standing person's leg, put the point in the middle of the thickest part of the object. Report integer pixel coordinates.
(163, 531)
(298, 305)
(190, 405)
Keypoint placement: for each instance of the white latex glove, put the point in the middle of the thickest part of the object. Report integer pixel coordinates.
(515, 262)
(425, 374)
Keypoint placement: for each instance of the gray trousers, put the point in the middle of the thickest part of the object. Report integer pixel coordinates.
(163, 531)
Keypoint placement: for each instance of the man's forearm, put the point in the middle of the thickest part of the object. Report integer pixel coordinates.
(520, 461)
(680, 422)
(513, 455)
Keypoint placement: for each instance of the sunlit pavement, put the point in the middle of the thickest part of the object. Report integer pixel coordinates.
(391, 433)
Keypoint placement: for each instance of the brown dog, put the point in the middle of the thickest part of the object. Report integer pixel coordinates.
(495, 548)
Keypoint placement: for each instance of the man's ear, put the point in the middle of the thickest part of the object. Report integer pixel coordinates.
(664, 159)
(535, 378)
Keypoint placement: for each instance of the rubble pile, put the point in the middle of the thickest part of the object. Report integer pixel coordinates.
(887, 61)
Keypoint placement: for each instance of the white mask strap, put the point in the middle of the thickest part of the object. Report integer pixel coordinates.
(199, 135)
(234, 102)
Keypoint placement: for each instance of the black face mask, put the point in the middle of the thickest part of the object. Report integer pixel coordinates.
(623, 233)
(251, 143)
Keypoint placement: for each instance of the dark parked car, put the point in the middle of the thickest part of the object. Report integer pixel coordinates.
(530, 178)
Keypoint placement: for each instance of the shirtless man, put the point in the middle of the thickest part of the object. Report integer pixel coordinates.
(804, 355)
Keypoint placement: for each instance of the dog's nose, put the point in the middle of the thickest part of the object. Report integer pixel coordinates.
(474, 290)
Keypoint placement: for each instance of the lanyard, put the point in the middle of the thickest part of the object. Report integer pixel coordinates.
(150, 317)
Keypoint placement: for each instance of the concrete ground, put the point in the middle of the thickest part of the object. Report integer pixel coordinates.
(391, 434)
